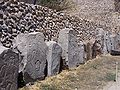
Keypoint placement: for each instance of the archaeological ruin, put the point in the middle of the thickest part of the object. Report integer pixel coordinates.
(36, 42)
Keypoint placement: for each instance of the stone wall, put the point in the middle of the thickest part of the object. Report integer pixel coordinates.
(18, 17)
(30, 1)
(117, 5)
(100, 11)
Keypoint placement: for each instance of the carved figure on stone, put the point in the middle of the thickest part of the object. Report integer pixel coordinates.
(9, 66)
(33, 49)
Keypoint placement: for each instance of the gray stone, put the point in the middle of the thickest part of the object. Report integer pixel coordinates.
(81, 52)
(9, 66)
(53, 58)
(117, 42)
(112, 40)
(33, 50)
(68, 42)
(99, 44)
(106, 43)
(88, 50)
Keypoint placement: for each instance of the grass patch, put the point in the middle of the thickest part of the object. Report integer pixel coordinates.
(110, 76)
(91, 76)
(48, 87)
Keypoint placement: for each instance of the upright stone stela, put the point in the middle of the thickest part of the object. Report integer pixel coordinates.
(81, 52)
(53, 58)
(9, 66)
(68, 42)
(33, 49)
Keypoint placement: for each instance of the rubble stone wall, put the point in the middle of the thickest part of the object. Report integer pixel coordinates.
(19, 17)
(100, 11)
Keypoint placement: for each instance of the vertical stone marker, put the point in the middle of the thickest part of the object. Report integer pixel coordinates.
(53, 58)
(88, 50)
(68, 42)
(33, 49)
(117, 42)
(112, 40)
(9, 66)
(81, 52)
(98, 45)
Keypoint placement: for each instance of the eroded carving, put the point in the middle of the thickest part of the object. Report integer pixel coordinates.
(9, 66)
(33, 49)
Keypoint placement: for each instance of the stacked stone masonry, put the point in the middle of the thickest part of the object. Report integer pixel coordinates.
(19, 17)
(103, 12)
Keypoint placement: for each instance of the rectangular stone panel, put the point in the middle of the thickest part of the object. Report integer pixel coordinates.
(33, 49)
(67, 40)
(9, 66)
(53, 58)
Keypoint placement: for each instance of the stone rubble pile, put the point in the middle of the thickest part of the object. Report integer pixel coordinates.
(19, 17)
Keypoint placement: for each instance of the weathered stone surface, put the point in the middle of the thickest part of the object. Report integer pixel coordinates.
(53, 58)
(106, 43)
(98, 45)
(33, 49)
(115, 52)
(88, 49)
(68, 42)
(9, 66)
(112, 39)
(81, 52)
(31, 1)
(117, 42)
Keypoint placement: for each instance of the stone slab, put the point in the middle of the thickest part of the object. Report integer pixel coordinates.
(81, 53)
(67, 40)
(33, 50)
(53, 58)
(9, 66)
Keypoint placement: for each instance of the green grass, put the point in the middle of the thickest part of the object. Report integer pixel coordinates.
(110, 76)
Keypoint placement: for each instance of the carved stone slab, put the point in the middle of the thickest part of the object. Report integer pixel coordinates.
(9, 66)
(112, 40)
(88, 50)
(68, 42)
(106, 43)
(33, 49)
(117, 42)
(81, 52)
(53, 58)
(99, 43)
